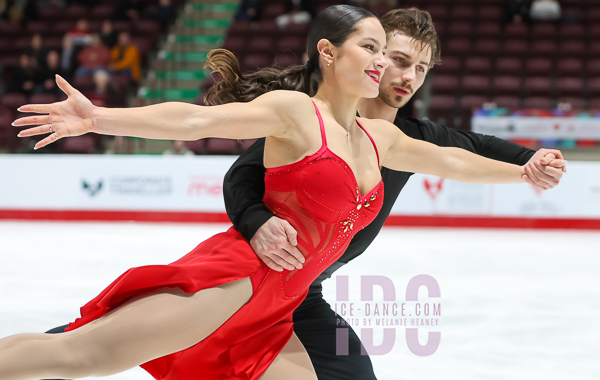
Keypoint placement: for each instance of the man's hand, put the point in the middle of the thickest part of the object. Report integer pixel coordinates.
(275, 244)
(545, 169)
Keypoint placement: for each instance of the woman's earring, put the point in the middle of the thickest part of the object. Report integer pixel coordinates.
(328, 63)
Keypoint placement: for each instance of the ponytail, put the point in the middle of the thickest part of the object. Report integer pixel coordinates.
(236, 87)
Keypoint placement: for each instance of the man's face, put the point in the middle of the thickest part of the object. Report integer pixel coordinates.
(405, 74)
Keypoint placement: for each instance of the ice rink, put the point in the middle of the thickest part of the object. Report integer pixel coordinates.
(515, 304)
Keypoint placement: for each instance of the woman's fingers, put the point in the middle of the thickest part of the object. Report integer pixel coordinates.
(48, 140)
(41, 130)
(35, 108)
(31, 120)
(64, 85)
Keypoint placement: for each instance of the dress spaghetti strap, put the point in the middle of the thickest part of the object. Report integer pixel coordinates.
(323, 138)
(373, 142)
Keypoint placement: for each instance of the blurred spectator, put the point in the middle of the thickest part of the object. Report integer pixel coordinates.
(108, 35)
(516, 11)
(80, 35)
(545, 10)
(104, 94)
(125, 57)
(19, 10)
(51, 3)
(46, 81)
(250, 10)
(178, 148)
(36, 51)
(67, 50)
(93, 57)
(5, 7)
(24, 77)
(2, 85)
(131, 10)
(164, 13)
(296, 12)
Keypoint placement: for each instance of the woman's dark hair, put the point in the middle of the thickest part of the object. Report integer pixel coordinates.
(335, 24)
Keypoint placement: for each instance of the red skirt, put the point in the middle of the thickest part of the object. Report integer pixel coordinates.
(246, 344)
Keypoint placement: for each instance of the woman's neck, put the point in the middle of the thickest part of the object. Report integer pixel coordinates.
(343, 107)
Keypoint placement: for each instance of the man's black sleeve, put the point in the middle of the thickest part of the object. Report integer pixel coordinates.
(484, 145)
(243, 190)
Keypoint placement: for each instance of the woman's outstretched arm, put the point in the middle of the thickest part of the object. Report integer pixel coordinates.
(410, 155)
(268, 115)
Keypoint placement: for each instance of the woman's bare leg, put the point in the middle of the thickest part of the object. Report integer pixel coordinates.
(292, 363)
(143, 329)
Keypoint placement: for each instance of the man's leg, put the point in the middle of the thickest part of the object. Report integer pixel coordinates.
(315, 325)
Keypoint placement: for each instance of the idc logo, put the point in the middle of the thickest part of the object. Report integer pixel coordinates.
(91, 188)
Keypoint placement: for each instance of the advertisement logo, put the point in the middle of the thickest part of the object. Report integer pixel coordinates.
(91, 188)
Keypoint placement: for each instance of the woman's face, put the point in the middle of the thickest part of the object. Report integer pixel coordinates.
(360, 63)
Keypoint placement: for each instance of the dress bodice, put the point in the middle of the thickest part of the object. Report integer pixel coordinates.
(319, 196)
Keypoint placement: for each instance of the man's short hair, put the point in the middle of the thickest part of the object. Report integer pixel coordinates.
(416, 24)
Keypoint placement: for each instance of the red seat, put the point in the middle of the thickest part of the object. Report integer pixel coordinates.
(13, 100)
(441, 109)
(472, 102)
(511, 102)
(22, 43)
(444, 84)
(271, 11)
(300, 30)
(593, 67)
(197, 146)
(569, 66)
(222, 146)
(50, 13)
(462, 12)
(42, 99)
(572, 31)
(245, 144)
(546, 48)
(595, 103)
(575, 102)
(593, 86)
(62, 27)
(539, 66)
(460, 29)
(74, 12)
(573, 48)
(488, 29)
(37, 27)
(476, 84)
(286, 59)
(516, 48)
(122, 26)
(507, 85)
(437, 11)
(458, 46)
(540, 31)
(267, 29)
(78, 144)
(449, 65)
(516, 31)
(235, 44)
(253, 62)
(147, 28)
(538, 102)
(261, 45)
(102, 12)
(478, 65)
(487, 47)
(508, 65)
(594, 49)
(10, 30)
(492, 13)
(84, 83)
(538, 86)
(243, 29)
(569, 87)
(291, 43)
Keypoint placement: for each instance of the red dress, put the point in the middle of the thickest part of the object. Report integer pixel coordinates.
(319, 197)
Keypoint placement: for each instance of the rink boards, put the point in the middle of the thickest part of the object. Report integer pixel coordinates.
(189, 189)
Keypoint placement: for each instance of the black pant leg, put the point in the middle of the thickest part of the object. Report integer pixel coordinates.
(315, 324)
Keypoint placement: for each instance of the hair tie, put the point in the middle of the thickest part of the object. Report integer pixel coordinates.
(309, 66)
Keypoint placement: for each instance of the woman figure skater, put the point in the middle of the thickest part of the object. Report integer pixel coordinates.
(219, 312)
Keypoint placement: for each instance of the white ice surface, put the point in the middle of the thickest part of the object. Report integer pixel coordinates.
(516, 304)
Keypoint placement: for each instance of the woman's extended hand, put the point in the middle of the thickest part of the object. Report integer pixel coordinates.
(71, 117)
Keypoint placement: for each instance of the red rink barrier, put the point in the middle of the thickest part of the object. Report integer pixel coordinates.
(216, 217)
